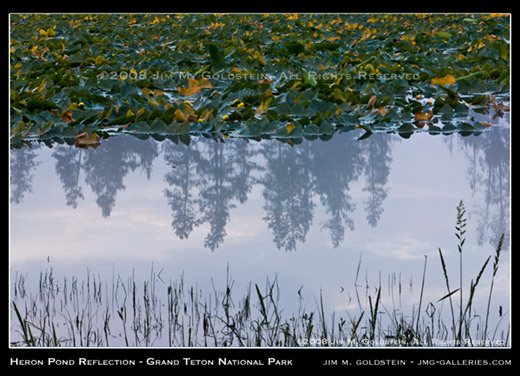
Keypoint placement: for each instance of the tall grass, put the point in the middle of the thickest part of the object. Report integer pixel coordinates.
(461, 325)
(128, 313)
(495, 270)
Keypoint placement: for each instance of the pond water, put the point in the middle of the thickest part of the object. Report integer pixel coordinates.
(329, 221)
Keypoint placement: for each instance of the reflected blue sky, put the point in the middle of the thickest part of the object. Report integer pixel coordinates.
(322, 215)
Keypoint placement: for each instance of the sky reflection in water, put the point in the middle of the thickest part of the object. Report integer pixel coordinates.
(308, 214)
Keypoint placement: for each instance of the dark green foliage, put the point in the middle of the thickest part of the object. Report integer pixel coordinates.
(70, 73)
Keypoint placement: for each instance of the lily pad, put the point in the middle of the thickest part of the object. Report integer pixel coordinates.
(76, 73)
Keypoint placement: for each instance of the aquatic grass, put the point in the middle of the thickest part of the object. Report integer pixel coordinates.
(495, 270)
(460, 227)
(450, 292)
(422, 291)
(26, 330)
(464, 319)
(74, 312)
(373, 314)
(216, 320)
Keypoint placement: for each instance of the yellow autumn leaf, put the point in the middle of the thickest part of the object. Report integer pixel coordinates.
(421, 116)
(259, 57)
(297, 84)
(19, 127)
(446, 80)
(290, 127)
(100, 60)
(185, 112)
(74, 106)
(146, 91)
(153, 102)
(140, 112)
(263, 106)
(157, 92)
(205, 84)
(179, 115)
(205, 116)
(384, 110)
(155, 21)
(371, 102)
(186, 108)
(194, 86)
(85, 140)
(67, 116)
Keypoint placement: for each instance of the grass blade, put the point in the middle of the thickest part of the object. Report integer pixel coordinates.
(448, 295)
(447, 280)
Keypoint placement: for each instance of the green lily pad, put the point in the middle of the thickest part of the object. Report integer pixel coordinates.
(252, 74)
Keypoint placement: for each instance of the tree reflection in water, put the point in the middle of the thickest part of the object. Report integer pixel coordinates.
(21, 170)
(489, 175)
(206, 180)
(104, 168)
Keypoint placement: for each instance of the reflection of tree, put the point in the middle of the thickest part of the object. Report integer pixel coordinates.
(207, 179)
(219, 172)
(288, 193)
(335, 164)
(107, 165)
(327, 169)
(224, 175)
(68, 167)
(22, 161)
(213, 175)
(489, 173)
(182, 178)
(243, 166)
(104, 167)
(378, 158)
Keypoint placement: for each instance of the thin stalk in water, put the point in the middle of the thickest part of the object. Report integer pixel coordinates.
(495, 269)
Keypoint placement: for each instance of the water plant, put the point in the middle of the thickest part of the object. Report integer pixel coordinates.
(80, 314)
(83, 76)
(461, 325)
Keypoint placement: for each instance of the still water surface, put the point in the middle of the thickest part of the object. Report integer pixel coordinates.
(321, 217)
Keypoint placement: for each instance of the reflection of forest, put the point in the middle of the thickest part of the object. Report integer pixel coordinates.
(218, 174)
(104, 168)
(22, 163)
(489, 175)
(207, 179)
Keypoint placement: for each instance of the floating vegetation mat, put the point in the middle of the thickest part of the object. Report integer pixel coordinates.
(288, 76)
